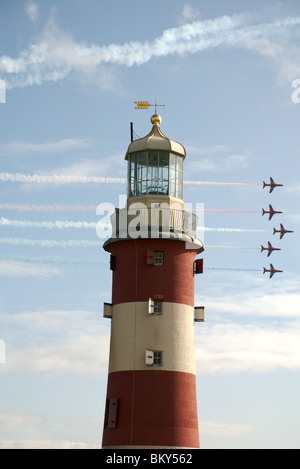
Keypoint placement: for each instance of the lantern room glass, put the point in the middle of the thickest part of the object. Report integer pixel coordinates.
(155, 172)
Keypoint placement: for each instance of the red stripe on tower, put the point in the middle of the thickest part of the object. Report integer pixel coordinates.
(151, 392)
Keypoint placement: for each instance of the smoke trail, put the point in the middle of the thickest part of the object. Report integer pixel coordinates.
(56, 54)
(47, 208)
(205, 183)
(229, 268)
(86, 262)
(48, 224)
(36, 260)
(63, 179)
(19, 177)
(92, 208)
(228, 211)
(50, 243)
(232, 230)
(92, 225)
(81, 243)
(228, 247)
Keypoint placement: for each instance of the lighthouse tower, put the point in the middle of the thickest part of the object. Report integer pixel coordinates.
(151, 389)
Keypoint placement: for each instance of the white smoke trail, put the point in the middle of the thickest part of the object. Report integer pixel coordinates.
(36, 260)
(48, 224)
(42, 179)
(56, 178)
(50, 243)
(58, 224)
(47, 208)
(55, 55)
(93, 208)
(205, 183)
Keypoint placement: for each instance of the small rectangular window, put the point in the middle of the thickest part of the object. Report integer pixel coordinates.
(153, 357)
(157, 307)
(157, 358)
(154, 306)
(158, 258)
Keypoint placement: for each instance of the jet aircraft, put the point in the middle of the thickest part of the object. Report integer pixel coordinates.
(282, 231)
(271, 212)
(272, 185)
(270, 249)
(271, 270)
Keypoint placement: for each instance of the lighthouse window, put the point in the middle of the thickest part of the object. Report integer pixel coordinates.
(155, 172)
(157, 307)
(158, 258)
(157, 358)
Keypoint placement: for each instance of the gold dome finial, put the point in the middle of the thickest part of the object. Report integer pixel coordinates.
(156, 119)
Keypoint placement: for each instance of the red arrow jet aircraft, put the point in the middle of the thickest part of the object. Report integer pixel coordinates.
(270, 249)
(271, 270)
(271, 212)
(272, 185)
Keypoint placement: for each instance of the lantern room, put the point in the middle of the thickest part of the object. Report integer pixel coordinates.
(155, 167)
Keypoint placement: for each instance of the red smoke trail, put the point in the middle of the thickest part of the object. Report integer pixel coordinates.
(211, 210)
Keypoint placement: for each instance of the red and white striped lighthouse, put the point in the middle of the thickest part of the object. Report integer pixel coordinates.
(151, 390)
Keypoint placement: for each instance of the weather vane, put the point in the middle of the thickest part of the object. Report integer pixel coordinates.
(146, 105)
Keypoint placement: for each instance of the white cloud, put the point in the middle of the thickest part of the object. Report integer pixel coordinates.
(32, 10)
(208, 150)
(64, 145)
(100, 166)
(12, 268)
(224, 429)
(44, 444)
(229, 347)
(45, 434)
(267, 338)
(280, 305)
(220, 164)
(285, 56)
(219, 158)
(82, 348)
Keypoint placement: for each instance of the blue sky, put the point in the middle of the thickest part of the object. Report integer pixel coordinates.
(229, 75)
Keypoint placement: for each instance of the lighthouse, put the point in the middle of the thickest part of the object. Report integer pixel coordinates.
(151, 387)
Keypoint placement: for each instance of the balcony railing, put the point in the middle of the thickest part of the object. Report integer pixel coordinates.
(153, 223)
